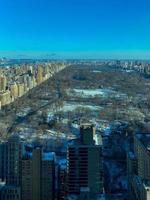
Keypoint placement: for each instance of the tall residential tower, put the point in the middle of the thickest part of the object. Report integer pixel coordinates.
(84, 167)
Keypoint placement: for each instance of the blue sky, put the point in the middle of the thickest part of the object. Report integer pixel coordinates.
(75, 28)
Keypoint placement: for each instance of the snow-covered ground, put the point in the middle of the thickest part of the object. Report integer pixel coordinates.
(96, 71)
(70, 107)
(85, 93)
(73, 106)
(103, 92)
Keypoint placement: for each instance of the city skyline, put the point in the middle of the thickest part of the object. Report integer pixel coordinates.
(75, 29)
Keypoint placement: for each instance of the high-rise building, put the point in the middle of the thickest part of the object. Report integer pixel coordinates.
(3, 83)
(29, 82)
(26, 178)
(14, 151)
(84, 167)
(2, 161)
(14, 90)
(62, 180)
(20, 89)
(8, 192)
(142, 152)
(139, 168)
(11, 169)
(131, 172)
(39, 75)
(5, 98)
(38, 175)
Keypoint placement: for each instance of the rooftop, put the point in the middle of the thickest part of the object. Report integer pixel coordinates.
(86, 125)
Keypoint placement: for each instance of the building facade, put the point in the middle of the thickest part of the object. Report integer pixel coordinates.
(38, 176)
(138, 168)
(84, 165)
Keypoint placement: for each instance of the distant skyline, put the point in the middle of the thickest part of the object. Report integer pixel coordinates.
(100, 29)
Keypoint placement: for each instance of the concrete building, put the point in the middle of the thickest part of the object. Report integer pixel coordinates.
(131, 172)
(142, 152)
(14, 90)
(84, 167)
(10, 193)
(62, 180)
(20, 89)
(2, 161)
(10, 172)
(139, 168)
(38, 176)
(5, 98)
(29, 82)
(13, 157)
(16, 81)
(39, 77)
(3, 83)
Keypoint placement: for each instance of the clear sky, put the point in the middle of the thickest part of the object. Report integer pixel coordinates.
(75, 28)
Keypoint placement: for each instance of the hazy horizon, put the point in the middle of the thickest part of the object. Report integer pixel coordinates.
(77, 55)
(88, 29)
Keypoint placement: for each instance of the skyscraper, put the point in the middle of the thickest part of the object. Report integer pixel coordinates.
(139, 168)
(62, 182)
(13, 161)
(38, 175)
(3, 83)
(2, 161)
(14, 90)
(84, 165)
(39, 75)
(11, 168)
